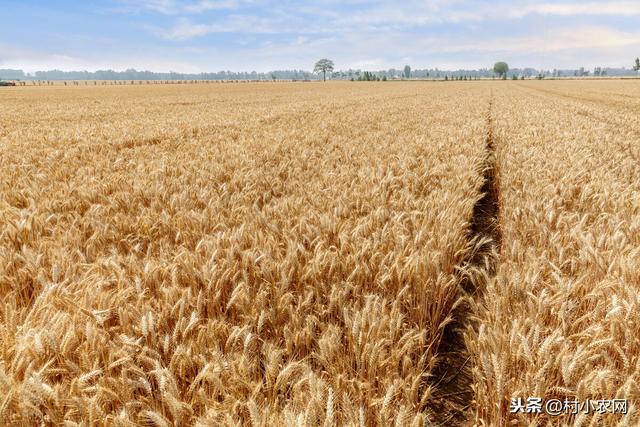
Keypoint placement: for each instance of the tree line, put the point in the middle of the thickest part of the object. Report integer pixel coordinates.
(132, 74)
(325, 68)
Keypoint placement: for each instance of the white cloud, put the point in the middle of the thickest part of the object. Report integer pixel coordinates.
(586, 46)
(367, 34)
(185, 29)
(604, 8)
(30, 61)
(161, 6)
(174, 7)
(381, 15)
(386, 13)
(205, 5)
(591, 38)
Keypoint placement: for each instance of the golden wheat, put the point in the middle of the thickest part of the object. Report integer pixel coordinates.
(232, 254)
(306, 254)
(559, 320)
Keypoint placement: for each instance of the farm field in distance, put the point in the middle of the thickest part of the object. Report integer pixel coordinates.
(346, 253)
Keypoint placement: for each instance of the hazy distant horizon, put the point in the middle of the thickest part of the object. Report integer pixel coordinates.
(628, 66)
(300, 74)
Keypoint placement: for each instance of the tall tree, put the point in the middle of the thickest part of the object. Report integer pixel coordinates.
(407, 72)
(636, 67)
(322, 66)
(501, 69)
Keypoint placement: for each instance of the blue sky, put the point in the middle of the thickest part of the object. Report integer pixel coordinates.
(262, 35)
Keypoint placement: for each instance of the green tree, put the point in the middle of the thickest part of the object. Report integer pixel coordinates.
(323, 66)
(501, 69)
(407, 72)
(637, 65)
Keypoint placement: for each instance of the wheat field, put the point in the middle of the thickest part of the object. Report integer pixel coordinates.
(358, 254)
(560, 319)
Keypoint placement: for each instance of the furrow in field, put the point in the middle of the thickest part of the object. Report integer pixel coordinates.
(452, 379)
